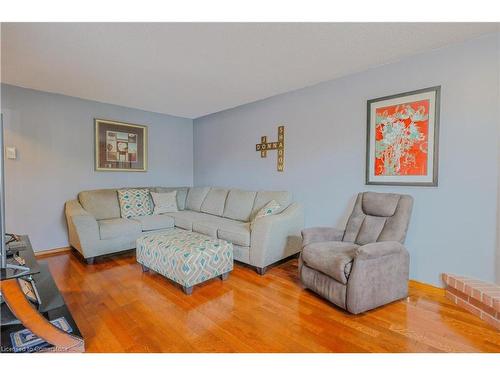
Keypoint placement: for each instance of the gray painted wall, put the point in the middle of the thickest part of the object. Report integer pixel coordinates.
(453, 228)
(54, 136)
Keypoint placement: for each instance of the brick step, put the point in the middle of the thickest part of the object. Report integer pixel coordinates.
(480, 298)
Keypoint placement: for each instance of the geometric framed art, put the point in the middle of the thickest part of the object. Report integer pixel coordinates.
(402, 138)
(120, 146)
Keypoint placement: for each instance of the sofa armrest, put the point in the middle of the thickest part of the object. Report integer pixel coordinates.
(321, 234)
(74, 208)
(276, 237)
(379, 249)
(83, 229)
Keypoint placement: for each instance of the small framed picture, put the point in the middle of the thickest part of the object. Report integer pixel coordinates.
(402, 139)
(120, 146)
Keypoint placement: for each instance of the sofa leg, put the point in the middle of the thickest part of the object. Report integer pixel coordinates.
(90, 260)
(187, 290)
(261, 270)
(224, 276)
(144, 268)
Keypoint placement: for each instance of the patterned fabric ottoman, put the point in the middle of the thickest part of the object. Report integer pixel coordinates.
(185, 257)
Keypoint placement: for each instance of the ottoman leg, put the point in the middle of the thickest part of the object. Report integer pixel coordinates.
(187, 290)
(144, 268)
(224, 276)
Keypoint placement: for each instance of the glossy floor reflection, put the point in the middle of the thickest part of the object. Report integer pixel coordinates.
(121, 309)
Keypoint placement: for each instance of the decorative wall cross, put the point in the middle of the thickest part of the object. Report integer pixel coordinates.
(265, 146)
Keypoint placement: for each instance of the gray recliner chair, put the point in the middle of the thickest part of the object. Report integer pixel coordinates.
(365, 265)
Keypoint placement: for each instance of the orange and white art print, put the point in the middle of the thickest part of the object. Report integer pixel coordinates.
(402, 139)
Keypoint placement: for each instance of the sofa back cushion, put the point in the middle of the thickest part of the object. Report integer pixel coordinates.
(379, 217)
(215, 201)
(195, 198)
(181, 194)
(284, 199)
(239, 204)
(102, 204)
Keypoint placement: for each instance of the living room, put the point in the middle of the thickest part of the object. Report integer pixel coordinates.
(250, 187)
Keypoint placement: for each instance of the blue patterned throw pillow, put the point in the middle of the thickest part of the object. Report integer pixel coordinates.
(135, 202)
(269, 209)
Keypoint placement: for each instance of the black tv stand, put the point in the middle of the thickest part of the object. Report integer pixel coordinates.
(52, 304)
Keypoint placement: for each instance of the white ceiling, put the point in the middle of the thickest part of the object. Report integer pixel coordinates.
(193, 69)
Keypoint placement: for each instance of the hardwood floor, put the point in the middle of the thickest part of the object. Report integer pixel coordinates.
(121, 309)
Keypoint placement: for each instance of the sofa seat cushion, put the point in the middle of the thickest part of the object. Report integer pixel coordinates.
(208, 228)
(236, 233)
(232, 231)
(185, 219)
(333, 258)
(113, 228)
(154, 222)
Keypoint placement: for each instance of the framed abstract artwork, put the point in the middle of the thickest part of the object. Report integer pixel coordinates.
(120, 146)
(402, 139)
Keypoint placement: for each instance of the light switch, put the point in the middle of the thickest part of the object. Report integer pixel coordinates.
(11, 153)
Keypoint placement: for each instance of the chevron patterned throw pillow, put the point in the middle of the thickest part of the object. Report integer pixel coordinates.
(135, 202)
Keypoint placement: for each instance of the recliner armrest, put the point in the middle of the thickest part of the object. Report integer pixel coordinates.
(379, 249)
(321, 234)
(379, 275)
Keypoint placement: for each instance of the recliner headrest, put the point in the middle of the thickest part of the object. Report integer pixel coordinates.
(380, 204)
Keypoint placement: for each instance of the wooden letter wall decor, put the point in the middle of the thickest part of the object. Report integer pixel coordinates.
(265, 146)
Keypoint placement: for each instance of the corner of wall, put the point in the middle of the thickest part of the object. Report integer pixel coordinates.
(497, 268)
(192, 153)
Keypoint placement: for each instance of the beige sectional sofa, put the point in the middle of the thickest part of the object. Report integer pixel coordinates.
(96, 228)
